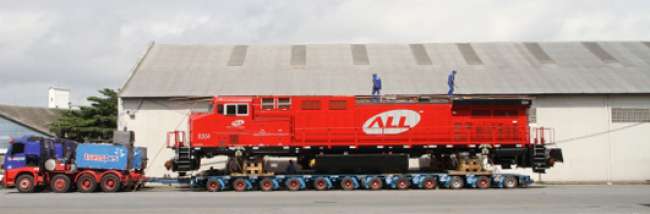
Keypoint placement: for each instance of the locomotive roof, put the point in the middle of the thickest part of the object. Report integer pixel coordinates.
(491, 68)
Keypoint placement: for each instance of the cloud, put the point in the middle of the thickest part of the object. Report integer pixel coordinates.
(85, 46)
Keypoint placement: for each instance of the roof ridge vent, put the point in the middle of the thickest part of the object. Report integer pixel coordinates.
(538, 52)
(599, 52)
(359, 54)
(298, 55)
(468, 52)
(238, 55)
(420, 54)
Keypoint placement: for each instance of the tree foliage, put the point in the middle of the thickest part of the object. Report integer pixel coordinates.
(90, 123)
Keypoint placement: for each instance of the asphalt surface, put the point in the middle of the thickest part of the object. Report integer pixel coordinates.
(548, 199)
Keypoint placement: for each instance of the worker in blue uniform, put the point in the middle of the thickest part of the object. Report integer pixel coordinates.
(376, 86)
(451, 82)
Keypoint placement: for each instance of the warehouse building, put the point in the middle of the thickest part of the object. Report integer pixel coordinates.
(595, 95)
(18, 121)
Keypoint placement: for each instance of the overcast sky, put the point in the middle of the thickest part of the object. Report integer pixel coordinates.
(88, 45)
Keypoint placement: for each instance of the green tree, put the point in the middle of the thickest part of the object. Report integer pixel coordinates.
(90, 123)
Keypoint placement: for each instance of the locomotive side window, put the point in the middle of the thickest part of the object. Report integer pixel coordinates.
(231, 109)
(220, 109)
(236, 109)
(242, 109)
(267, 103)
(284, 103)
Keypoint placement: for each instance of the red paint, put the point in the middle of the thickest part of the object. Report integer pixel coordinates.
(393, 123)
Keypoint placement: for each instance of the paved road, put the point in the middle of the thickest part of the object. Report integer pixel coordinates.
(551, 199)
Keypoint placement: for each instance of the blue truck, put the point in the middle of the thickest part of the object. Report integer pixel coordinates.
(36, 163)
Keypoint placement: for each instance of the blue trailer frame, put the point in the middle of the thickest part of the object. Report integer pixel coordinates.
(361, 181)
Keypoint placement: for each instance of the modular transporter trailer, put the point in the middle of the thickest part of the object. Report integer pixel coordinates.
(427, 181)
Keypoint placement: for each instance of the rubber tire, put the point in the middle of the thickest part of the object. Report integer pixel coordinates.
(347, 183)
(239, 185)
(510, 182)
(457, 182)
(292, 184)
(106, 180)
(483, 182)
(429, 183)
(60, 183)
(320, 184)
(375, 183)
(29, 185)
(213, 186)
(266, 184)
(92, 183)
(402, 183)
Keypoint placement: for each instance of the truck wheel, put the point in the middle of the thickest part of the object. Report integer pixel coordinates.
(239, 185)
(60, 183)
(213, 186)
(457, 182)
(293, 184)
(375, 183)
(86, 183)
(110, 183)
(347, 183)
(320, 184)
(25, 183)
(483, 182)
(429, 183)
(402, 183)
(266, 185)
(510, 182)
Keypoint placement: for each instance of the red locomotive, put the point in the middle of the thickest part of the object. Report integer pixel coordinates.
(345, 134)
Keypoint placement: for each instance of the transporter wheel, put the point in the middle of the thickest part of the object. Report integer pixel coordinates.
(347, 183)
(429, 183)
(320, 184)
(510, 182)
(483, 182)
(239, 185)
(293, 184)
(457, 182)
(86, 183)
(402, 183)
(60, 183)
(25, 183)
(375, 183)
(110, 183)
(212, 186)
(266, 185)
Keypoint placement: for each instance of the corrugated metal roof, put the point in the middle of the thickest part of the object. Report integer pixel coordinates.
(35, 118)
(170, 70)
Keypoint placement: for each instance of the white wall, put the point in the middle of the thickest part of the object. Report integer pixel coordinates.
(58, 98)
(594, 148)
(151, 119)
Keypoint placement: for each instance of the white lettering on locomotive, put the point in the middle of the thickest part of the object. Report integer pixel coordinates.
(391, 122)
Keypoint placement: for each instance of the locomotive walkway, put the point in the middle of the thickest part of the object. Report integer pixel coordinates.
(549, 199)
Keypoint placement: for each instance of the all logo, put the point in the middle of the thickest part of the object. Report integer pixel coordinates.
(391, 122)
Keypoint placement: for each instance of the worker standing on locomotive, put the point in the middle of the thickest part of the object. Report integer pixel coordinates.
(451, 82)
(376, 87)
